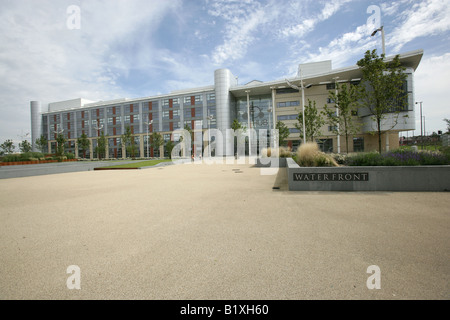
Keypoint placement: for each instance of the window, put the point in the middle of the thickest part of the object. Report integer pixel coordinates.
(127, 119)
(294, 130)
(325, 145)
(331, 86)
(166, 114)
(287, 117)
(176, 113)
(329, 100)
(198, 99)
(358, 144)
(198, 112)
(288, 104)
(165, 102)
(287, 91)
(187, 100)
(332, 128)
(211, 97)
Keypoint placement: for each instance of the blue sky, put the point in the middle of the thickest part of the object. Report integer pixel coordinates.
(139, 48)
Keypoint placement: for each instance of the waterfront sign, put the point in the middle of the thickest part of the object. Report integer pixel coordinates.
(363, 176)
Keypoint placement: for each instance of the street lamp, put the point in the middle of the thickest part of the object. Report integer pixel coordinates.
(148, 124)
(382, 38)
(57, 132)
(302, 87)
(249, 124)
(97, 128)
(337, 115)
(421, 125)
(210, 118)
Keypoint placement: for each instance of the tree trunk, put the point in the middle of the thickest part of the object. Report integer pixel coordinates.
(379, 134)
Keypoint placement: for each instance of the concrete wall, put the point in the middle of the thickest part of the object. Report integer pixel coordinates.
(419, 178)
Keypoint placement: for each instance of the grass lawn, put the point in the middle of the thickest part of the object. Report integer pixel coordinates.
(140, 164)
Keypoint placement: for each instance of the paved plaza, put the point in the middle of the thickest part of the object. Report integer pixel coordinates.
(216, 232)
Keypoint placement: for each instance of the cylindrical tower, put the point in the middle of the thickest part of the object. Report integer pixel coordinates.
(223, 81)
(36, 123)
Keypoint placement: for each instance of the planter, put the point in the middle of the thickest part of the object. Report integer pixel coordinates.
(402, 178)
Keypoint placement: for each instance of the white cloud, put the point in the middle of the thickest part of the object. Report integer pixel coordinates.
(431, 87)
(241, 22)
(426, 18)
(308, 25)
(41, 59)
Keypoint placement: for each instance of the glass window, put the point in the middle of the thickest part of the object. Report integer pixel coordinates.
(358, 144)
(325, 145)
(287, 117)
(198, 112)
(211, 97)
(331, 86)
(287, 91)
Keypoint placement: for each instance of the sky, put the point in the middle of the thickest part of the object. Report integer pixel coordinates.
(56, 50)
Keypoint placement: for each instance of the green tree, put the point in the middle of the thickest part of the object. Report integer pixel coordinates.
(447, 121)
(313, 122)
(169, 147)
(283, 133)
(342, 117)
(25, 146)
(41, 143)
(8, 147)
(236, 125)
(102, 143)
(83, 143)
(381, 92)
(156, 140)
(60, 144)
(128, 142)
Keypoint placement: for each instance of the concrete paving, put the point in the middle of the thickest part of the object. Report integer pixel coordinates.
(216, 232)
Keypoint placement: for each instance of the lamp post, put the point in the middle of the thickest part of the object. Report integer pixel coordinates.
(148, 124)
(97, 128)
(249, 124)
(337, 115)
(382, 38)
(57, 132)
(421, 125)
(210, 118)
(302, 87)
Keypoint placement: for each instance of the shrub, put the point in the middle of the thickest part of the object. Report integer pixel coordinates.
(12, 158)
(400, 157)
(309, 155)
(70, 156)
(341, 159)
(281, 152)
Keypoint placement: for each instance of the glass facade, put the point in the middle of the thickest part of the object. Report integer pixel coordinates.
(259, 114)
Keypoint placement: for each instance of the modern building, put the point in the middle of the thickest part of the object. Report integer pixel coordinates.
(216, 107)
